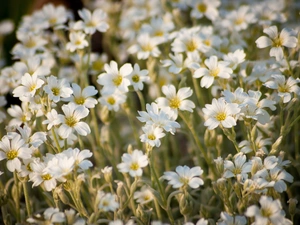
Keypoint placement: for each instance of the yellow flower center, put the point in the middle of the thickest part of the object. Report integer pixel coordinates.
(12, 154)
(136, 78)
(30, 43)
(221, 116)
(80, 100)
(207, 42)
(32, 88)
(201, 7)
(71, 121)
(28, 167)
(174, 103)
(46, 177)
(239, 21)
(23, 118)
(151, 137)
(184, 180)
(98, 65)
(111, 100)
(134, 166)
(52, 20)
(277, 42)
(91, 24)
(105, 203)
(284, 89)
(237, 171)
(78, 42)
(147, 47)
(191, 46)
(214, 72)
(117, 80)
(266, 212)
(55, 91)
(158, 33)
(147, 197)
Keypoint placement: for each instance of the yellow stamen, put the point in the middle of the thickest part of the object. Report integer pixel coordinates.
(55, 91)
(117, 80)
(136, 78)
(111, 100)
(202, 7)
(71, 121)
(134, 166)
(46, 177)
(80, 100)
(214, 72)
(174, 103)
(221, 116)
(12, 154)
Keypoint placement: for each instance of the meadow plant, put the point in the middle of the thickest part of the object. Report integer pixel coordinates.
(189, 114)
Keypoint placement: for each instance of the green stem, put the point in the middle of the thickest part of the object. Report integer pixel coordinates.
(17, 198)
(142, 100)
(26, 195)
(55, 139)
(162, 193)
(199, 145)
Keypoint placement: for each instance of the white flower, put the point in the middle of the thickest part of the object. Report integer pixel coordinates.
(53, 119)
(146, 46)
(238, 96)
(30, 84)
(144, 196)
(152, 135)
(277, 41)
(188, 41)
(92, 21)
(176, 101)
(113, 101)
(235, 58)
(232, 220)
(115, 79)
(239, 168)
(185, 176)
(214, 69)
(71, 121)
(159, 117)
(83, 97)
(54, 15)
(77, 41)
(239, 19)
(57, 88)
(137, 77)
(207, 8)
(51, 216)
(220, 113)
(80, 157)
(175, 64)
(270, 211)
(40, 176)
(20, 115)
(13, 150)
(133, 163)
(107, 201)
(285, 88)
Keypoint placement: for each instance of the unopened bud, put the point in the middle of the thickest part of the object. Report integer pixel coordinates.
(219, 165)
(62, 195)
(129, 149)
(221, 184)
(276, 145)
(185, 205)
(3, 198)
(292, 206)
(106, 115)
(210, 138)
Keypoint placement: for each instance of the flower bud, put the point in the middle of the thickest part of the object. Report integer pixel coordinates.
(292, 206)
(210, 137)
(219, 165)
(185, 205)
(106, 115)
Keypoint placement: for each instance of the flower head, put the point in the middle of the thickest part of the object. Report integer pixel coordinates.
(185, 176)
(133, 163)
